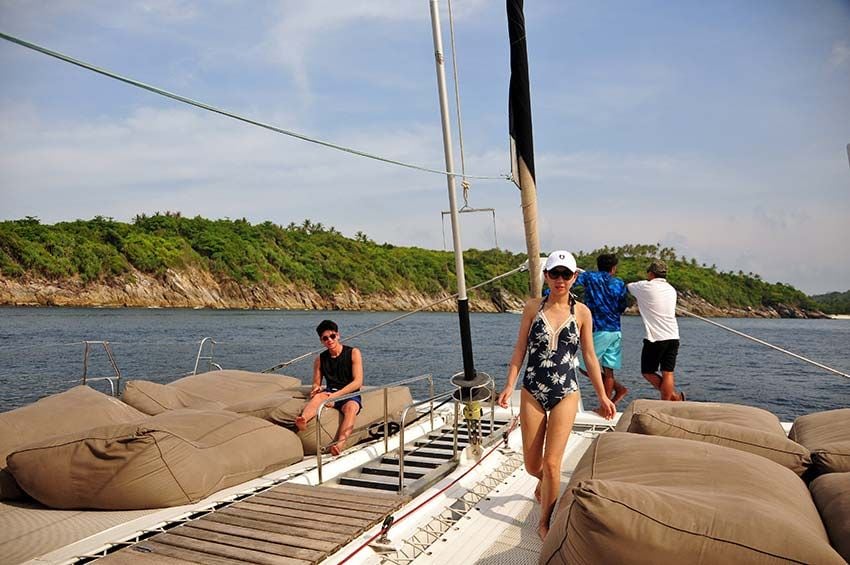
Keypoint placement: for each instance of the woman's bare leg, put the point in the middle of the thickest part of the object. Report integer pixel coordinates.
(532, 419)
(560, 424)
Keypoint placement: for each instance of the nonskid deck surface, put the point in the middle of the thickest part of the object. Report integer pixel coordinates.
(289, 524)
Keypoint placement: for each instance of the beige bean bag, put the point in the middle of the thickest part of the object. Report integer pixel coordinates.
(831, 493)
(647, 499)
(177, 457)
(372, 412)
(738, 414)
(79, 408)
(154, 398)
(212, 390)
(731, 425)
(827, 435)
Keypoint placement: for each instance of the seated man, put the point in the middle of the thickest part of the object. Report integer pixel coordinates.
(342, 368)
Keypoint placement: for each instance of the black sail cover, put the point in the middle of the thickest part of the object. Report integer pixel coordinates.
(519, 100)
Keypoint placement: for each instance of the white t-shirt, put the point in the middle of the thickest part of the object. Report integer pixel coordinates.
(657, 302)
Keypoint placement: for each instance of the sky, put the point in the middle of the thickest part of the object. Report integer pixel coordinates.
(717, 128)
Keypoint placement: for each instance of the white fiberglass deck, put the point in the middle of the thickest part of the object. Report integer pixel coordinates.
(500, 528)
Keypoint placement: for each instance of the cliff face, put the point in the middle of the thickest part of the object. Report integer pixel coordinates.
(699, 306)
(193, 288)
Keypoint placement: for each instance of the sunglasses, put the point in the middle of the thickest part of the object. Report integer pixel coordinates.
(565, 274)
(329, 337)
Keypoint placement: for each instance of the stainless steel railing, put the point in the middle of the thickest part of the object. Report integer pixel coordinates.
(115, 380)
(385, 388)
(407, 409)
(207, 358)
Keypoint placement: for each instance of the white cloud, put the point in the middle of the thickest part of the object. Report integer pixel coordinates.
(302, 26)
(840, 56)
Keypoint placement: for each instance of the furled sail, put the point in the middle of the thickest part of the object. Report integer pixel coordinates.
(522, 141)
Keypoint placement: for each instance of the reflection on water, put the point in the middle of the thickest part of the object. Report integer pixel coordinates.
(40, 351)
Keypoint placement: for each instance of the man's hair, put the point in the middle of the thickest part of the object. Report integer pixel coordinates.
(326, 325)
(658, 268)
(606, 262)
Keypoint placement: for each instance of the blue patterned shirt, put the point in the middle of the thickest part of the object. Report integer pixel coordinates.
(605, 295)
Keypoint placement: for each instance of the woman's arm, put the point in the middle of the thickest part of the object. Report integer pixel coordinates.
(585, 328)
(528, 313)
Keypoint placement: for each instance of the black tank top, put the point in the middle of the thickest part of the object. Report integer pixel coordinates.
(337, 370)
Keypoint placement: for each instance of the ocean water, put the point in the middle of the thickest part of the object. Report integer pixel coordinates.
(41, 351)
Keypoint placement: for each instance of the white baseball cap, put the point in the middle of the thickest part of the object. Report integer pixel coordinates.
(560, 258)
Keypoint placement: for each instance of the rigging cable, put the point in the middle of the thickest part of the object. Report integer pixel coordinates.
(757, 340)
(464, 183)
(283, 364)
(229, 114)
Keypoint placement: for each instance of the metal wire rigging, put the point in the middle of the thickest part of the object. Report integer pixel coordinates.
(229, 114)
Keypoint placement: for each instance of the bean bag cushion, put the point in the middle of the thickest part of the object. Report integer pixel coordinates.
(747, 416)
(177, 457)
(268, 407)
(154, 398)
(831, 493)
(373, 411)
(79, 408)
(648, 499)
(215, 389)
(774, 446)
(827, 436)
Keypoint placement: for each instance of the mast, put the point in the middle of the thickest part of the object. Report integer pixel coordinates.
(522, 144)
(462, 300)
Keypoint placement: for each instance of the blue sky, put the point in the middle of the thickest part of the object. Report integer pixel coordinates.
(719, 128)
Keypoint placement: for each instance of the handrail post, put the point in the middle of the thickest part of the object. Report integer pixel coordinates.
(85, 361)
(456, 425)
(386, 421)
(431, 405)
(492, 407)
(401, 452)
(319, 441)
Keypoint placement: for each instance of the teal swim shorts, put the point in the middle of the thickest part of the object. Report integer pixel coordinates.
(608, 349)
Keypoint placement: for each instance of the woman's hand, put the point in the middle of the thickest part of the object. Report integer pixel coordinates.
(606, 408)
(316, 390)
(505, 397)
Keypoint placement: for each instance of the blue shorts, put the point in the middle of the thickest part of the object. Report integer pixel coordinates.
(340, 403)
(609, 350)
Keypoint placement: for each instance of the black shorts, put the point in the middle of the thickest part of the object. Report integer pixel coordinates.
(657, 353)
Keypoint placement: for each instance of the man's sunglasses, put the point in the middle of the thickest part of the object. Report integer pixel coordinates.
(565, 274)
(329, 337)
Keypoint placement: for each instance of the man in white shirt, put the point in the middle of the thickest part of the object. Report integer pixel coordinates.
(656, 300)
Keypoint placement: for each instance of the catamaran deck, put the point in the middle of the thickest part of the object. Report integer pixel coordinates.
(481, 512)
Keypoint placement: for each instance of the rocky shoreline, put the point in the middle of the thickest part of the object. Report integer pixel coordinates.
(193, 288)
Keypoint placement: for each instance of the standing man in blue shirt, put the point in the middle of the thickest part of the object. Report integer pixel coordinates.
(606, 296)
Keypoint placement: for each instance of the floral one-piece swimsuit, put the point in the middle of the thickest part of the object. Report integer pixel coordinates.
(552, 369)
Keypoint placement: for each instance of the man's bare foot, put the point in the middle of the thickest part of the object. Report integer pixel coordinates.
(619, 392)
(537, 491)
(300, 423)
(337, 448)
(542, 530)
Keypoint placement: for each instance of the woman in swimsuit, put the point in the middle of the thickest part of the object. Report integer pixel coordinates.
(550, 332)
